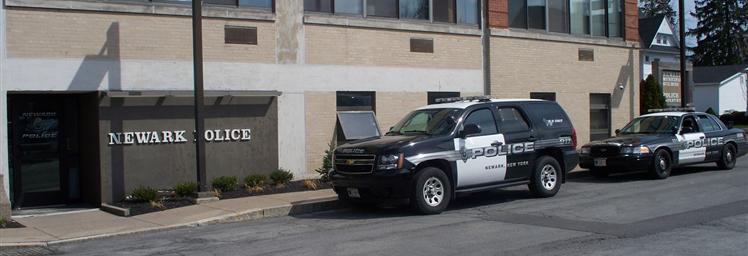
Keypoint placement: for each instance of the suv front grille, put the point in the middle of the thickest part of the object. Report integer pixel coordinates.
(354, 164)
(604, 150)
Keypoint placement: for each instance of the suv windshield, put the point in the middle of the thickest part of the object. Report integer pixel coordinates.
(437, 121)
(652, 124)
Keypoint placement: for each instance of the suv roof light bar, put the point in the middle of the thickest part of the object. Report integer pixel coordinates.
(686, 109)
(468, 99)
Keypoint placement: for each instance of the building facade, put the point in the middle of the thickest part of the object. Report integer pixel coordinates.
(99, 92)
(721, 88)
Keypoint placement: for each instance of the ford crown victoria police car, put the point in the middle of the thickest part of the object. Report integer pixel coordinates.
(660, 141)
(469, 145)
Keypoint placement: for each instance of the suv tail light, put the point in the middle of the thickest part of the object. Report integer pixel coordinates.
(574, 138)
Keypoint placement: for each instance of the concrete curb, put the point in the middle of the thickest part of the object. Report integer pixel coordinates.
(296, 208)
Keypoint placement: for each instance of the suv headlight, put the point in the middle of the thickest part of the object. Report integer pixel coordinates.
(635, 150)
(584, 151)
(390, 162)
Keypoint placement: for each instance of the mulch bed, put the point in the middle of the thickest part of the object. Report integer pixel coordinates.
(293, 186)
(137, 208)
(12, 224)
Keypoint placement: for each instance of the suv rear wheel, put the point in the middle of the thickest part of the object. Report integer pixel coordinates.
(546, 178)
(432, 191)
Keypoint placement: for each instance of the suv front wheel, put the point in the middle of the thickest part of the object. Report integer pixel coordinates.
(432, 191)
(546, 177)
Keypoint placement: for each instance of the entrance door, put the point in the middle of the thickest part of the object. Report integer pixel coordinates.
(37, 136)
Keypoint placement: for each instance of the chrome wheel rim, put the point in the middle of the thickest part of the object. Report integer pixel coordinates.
(728, 156)
(663, 164)
(548, 177)
(433, 191)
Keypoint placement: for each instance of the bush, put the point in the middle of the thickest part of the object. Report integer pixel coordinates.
(650, 95)
(326, 164)
(185, 189)
(144, 194)
(735, 117)
(281, 176)
(255, 180)
(225, 183)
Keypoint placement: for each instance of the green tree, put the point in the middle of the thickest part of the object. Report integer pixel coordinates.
(650, 95)
(658, 8)
(720, 32)
(326, 163)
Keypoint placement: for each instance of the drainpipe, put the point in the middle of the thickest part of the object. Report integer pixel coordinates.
(486, 43)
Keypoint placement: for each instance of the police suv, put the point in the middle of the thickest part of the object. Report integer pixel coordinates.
(658, 142)
(465, 145)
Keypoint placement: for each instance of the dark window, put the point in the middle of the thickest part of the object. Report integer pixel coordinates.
(468, 12)
(444, 11)
(349, 7)
(548, 114)
(599, 116)
(263, 4)
(421, 45)
(357, 125)
(432, 96)
(597, 12)
(579, 17)
(614, 18)
(536, 14)
(707, 124)
(220, 2)
(518, 13)
(414, 9)
(549, 96)
(511, 120)
(318, 5)
(484, 119)
(558, 16)
(382, 8)
(689, 122)
(240, 35)
(355, 101)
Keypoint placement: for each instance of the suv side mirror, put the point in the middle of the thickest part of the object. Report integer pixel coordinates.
(470, 129)
(618, 131)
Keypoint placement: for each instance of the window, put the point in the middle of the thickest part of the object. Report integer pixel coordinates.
(549, 96)
(318, 5)
(484, 119)
(259, 4)
(349, 7)
(517, 13)
(357, 125)
(536, 14)
(511, 120)
(707, 124)
(432, 96)
(355, 101)
(579, 17)
(599, 116)
(414, 9)
(468, 12)
(444, 11)
(382, 8)
(614, 18)
(558, 16)
(597, 12)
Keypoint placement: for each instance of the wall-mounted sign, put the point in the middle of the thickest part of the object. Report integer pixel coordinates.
(671, 88)
(177, 136)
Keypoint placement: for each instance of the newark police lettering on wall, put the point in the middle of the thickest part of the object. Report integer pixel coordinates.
(165, 137)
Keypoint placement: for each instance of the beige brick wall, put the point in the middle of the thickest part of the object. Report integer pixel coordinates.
(375, 47)
(521, 66)
(392, 106)
(320, 108)
(43, 33)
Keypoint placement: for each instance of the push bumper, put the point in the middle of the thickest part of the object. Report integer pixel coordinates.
(621, 163)
(396, 184)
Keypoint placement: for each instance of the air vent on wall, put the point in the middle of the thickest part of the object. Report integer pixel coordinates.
(422, 45)
(240, 35)
(586, 54)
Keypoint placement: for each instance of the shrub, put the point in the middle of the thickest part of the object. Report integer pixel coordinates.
(225, 183)
(254, 181)
(326, 164)
(144, 194)
(650, 96)
(281, 176)
(185, 189)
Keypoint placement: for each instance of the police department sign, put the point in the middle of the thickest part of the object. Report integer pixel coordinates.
(177, 136)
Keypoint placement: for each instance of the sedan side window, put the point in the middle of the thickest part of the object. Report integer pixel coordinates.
(689, 125)
(484, 119)
(707, 124)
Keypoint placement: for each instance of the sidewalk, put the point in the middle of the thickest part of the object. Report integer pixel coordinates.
(67, 227)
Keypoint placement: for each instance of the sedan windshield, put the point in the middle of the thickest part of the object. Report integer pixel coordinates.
(652, 124)
(438, 121)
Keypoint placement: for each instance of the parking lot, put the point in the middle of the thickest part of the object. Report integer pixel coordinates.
(697, 211)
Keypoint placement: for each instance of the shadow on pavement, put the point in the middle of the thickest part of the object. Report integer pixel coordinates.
(584, 177)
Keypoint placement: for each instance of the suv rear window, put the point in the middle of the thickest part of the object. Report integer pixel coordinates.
(511, 120)
(548, 115)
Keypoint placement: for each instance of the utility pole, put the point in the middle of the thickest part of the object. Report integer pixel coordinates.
(486, 43)
(682, 32)
(197, 55)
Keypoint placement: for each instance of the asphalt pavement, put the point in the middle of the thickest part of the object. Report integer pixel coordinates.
(697, 211)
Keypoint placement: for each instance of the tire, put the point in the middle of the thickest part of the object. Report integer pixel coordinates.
(432, 191)
(599, 172)
(546, 177)
(728, 158)
(661, 165)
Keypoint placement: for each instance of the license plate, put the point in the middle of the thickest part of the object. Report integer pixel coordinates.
(601, 162)
(353, 192)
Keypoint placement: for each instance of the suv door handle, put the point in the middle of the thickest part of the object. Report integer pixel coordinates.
(497, 143)
(701, 137)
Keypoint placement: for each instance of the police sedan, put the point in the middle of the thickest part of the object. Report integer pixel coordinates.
(660, 141)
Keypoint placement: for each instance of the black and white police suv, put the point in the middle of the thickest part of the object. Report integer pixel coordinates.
(658, 142)
(467, 145)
